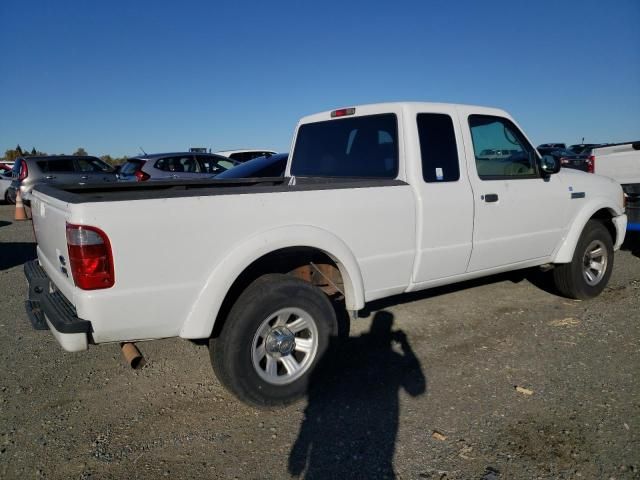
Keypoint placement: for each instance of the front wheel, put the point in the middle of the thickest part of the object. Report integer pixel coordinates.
(589, 271)
(273, 338)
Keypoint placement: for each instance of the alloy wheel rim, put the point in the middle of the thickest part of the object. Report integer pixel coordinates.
(594, 262)
(284, 346)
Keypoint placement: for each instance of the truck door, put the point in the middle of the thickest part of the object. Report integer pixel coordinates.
(519, 214)
(444, 199)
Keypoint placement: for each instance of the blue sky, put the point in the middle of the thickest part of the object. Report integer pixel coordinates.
(113, 76)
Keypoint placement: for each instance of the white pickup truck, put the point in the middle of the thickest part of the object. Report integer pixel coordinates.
(621, 161)
(377, 200)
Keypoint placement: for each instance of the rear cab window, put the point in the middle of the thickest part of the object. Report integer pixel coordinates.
(365, 146)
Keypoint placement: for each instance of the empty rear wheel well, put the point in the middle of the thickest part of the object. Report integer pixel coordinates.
(309, 264)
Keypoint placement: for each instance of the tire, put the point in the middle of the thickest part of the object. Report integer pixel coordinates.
(589, 271)
(272, 340)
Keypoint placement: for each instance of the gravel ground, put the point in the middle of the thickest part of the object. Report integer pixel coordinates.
(425, 388)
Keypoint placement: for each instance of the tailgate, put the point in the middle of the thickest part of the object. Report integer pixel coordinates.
(49, 223)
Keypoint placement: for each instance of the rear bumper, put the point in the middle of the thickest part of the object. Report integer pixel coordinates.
(48, 309)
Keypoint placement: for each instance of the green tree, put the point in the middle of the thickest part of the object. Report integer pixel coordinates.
(11, 155)
(80, 152)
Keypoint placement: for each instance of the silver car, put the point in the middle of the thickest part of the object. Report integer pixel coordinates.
(61, 170)
(174, 166)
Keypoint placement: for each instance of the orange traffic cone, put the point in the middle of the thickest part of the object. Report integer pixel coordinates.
(20, 212)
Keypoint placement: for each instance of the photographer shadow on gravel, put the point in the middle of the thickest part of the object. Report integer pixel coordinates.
(351, 420)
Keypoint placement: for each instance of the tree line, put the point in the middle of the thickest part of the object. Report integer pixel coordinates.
(12, 154)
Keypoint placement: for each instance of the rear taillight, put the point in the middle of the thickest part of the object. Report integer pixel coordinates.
(24, 171)
(141, 176)
(90, 257)
(591, 164)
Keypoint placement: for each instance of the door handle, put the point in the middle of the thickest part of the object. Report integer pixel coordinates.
(50, 177)
(490, 197)
(84, 177)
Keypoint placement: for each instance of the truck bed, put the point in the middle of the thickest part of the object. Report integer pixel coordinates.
(118, 192)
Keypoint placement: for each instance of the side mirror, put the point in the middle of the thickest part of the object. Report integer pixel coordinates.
(550, 164)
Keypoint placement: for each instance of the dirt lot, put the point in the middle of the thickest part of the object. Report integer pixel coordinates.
(453, 372)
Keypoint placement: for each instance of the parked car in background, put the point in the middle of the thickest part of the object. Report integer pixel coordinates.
(621, 161)
(60, 169)
(246, 155)
(271, 166)
(567, 158)
(5, 182)
(552, 145)
(173, 166)
(584, 148)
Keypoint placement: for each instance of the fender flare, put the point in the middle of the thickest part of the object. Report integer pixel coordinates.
(564, 254)
(200, 320)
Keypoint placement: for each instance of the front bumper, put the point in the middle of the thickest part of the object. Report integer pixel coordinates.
(48, 309)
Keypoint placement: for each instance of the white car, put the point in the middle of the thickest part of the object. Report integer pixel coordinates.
(5, 182)
(246, 155)
(376, 200)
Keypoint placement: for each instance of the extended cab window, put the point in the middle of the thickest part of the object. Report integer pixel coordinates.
(438, 148)
(364, 146)
(500, 149)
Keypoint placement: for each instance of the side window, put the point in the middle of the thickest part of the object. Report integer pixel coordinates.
(93, 165)
(438, 148)
(85, 166)
(62, 165)
(189, 164)
(500, 149)
(211, 164)
(185, 163)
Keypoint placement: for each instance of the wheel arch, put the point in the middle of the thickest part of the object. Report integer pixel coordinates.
(600, 211)
(257, 256)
